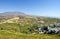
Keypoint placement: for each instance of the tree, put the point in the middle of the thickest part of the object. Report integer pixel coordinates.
(44, 28)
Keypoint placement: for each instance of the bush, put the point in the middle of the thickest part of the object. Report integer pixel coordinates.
(58, 32)
(51, 32)
(44, 28)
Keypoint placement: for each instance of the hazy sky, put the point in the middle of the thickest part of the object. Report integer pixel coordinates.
(33, 7)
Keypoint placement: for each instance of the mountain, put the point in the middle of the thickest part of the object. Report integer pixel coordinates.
(12, 14)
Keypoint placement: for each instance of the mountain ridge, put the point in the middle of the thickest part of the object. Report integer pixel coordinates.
(13, 13)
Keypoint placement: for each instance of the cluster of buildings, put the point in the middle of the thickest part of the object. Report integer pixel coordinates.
(49, 29)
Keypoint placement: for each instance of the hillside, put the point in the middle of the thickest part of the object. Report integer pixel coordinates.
(21, 26)
(24, 24)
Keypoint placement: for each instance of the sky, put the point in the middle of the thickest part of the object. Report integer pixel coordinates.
(49, 8)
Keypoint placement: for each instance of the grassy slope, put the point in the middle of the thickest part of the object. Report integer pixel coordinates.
(13, 27)
(13, 35)
(6, 33)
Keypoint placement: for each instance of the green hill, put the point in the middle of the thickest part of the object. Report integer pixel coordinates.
(25, 27)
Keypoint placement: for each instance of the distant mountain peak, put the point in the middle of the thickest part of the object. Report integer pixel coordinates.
(13, 13)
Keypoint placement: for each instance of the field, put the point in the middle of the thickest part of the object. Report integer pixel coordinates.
(14, 35)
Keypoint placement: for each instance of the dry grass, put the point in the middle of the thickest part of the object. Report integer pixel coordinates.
(30, 37)
(11, 35)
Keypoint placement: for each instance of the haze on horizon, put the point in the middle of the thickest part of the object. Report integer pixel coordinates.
(50, 8)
